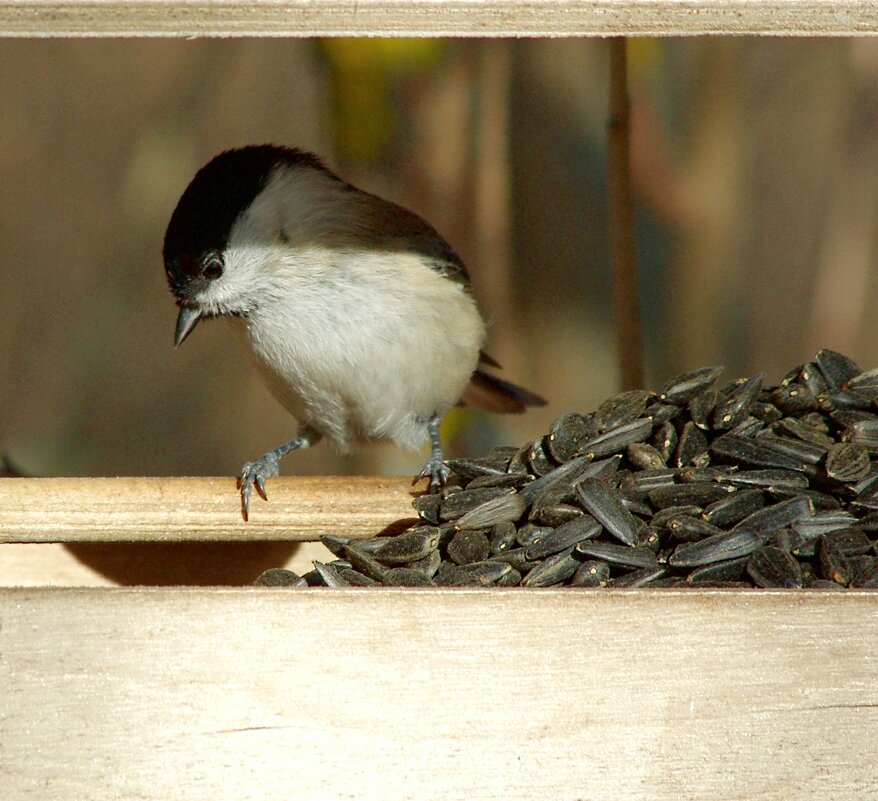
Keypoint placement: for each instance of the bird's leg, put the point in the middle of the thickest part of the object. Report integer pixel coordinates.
(435, 466)
(265, 467)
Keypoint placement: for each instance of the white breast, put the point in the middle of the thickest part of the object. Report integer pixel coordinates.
(362, 344)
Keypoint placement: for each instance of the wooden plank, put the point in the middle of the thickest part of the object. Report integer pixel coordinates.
(518, 694)
(178, 509)
(434, 17)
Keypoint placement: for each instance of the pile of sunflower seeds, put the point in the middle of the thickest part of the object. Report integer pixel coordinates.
(740, 485)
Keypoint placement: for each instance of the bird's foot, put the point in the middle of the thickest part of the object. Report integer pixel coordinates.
(256, 474)
(435, 466)
(436, 469)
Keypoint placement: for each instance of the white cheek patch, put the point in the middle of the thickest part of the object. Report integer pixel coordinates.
(243, 282)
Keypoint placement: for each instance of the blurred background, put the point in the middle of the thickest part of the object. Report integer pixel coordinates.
(754, 163)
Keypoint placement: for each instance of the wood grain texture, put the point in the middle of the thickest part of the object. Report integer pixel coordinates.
(391, 695)
(434, 17)
(178, 509)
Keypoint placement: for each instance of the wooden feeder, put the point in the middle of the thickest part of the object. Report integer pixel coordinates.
(184, 693)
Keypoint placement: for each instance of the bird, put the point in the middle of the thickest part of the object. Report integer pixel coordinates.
(355, 311)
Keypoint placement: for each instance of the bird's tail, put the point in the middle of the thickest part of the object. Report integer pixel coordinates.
(486, 391)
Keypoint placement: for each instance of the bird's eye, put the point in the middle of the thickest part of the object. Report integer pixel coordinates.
(213, 268)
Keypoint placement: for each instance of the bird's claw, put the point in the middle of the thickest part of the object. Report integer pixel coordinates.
(437, 472)
(255, 474)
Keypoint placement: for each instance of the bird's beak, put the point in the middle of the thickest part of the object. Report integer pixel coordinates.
(187, 319)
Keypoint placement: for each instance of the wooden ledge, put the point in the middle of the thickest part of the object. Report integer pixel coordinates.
(40, 18)
(399, 694)
(199, 509)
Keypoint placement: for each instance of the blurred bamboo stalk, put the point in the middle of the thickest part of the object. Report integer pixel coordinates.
(492, 192)
(626, 314)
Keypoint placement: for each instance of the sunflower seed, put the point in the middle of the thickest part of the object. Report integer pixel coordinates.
(623, 555)
(665, 440)
(280, 577)
(427, 507)
(832, 564)
(471, 469)
(413, 544)
(819, 500)
(847, 461)
(538, 459)
(555, 514)
(765, 522)
(330, 575)
(355, 578)
(810, 528)
(734, 507)
(718, 548)
(469, 546)
(428, 565)
(685, 528)
(616, 439)
(640, 484)
(406, 577)
(566, 474)
(515, 557)
(592, 573)
(865, 383)
(701, 406)
(511, 578)
(529, 534)
(335, 544)
(867, 576)
(582, 528)
(488, 572)
(734, 448)
(728, 413)
(769, 478)
(555, 570)
(794, 399)
(717, 572)
(605, 504)
(502, 538)
(804, 432)
(806, 452)
(457, 505)
(691, 447)
(567, 435)
(644, 456)
(684, 387)
(766, 413)
(508, 507)
(639, 578)
(663, 517)
(849, 541)
(503, 480)
(773, 567)
(865, 433)
(812, 377)
(698, 493)
(840, 400)
(364, 562)
(621, 409)
(662, 412)
(837, 369)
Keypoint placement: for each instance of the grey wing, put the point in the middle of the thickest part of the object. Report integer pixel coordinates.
(391, 227)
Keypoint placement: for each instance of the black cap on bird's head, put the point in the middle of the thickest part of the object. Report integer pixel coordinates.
(199, 229)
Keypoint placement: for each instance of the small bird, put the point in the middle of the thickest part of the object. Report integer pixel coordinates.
(356, 312)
